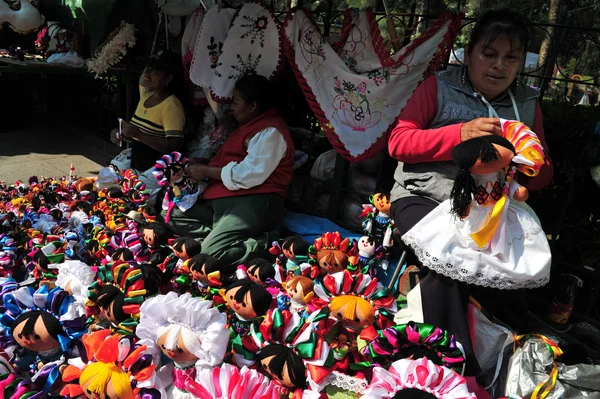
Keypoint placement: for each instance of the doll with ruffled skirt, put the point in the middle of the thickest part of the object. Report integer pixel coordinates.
(485, 234)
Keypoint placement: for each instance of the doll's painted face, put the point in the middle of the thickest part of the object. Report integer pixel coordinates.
(332, 261)
(179, 354)
(182, 253)
(38, 341)
(382, 203)
(297, 293)
(253, 274)
(244, 309)
(150, 238)
(177, 173)
(366, 247)
(285, 381)
(363, 315)
(199, 274)
(109, 314)
(109, 393)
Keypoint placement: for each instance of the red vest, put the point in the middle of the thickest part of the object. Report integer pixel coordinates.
(235, 149)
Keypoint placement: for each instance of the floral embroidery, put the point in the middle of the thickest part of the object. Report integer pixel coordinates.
(352, 106)
(214, 51)
(311, 45)
(255, 29)
(245, 67)
(379, 76)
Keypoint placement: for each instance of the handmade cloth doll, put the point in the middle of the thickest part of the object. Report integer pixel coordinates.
(369, 254)
(416, 340)
(485, 234)
(119, 292)
(291, 253)
(75, 277)
(379, 225)
(127, 245)
(292, 353)
(116, 368)
(299, 291)
(330, 254)
(247, 303)
(47, 325)
(189, 331)
(357, 306)
(207, 276)
(416, 379)
(184, 248)
(180, 190)
(231, 382)
(155, 236)
(263, 273)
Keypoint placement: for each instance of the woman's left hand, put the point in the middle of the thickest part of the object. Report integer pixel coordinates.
(128, 130)
(196, 172)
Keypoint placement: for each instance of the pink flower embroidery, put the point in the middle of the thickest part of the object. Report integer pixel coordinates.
(261, 23)
(362, 88)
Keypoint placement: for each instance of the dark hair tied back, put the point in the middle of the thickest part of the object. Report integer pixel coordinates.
(502, 22)
(256, 89)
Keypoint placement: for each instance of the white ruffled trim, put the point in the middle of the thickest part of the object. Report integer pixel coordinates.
(79, 275)
(348, 383)
(196, 314)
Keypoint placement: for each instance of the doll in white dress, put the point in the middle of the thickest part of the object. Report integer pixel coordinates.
(485, 234)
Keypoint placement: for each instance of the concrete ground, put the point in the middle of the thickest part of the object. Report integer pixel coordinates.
(45, 151)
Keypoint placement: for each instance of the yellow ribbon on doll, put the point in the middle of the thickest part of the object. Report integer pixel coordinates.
(547, 386)
(483, 236)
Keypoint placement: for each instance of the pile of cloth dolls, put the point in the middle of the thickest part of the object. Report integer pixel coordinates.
(100, 300)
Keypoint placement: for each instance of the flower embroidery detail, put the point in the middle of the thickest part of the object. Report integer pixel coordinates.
(246, 66)
(255, 29)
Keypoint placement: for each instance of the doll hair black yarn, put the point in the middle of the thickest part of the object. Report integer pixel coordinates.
(211, 265)
(160, 231)
(52, 324)
(124, 253)
(114, 193)
(413, 393)
(192, 247)
(111, 294)
(285, 356)
(101, 216)
(300, 246)
(261, 298)
(56, 214)
(265, 269)
(465, 155)
(153, 278)
(41, 259)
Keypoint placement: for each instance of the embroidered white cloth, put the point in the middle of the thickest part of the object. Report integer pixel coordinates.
(188, 45)
(253, 46)
(207, 51)
(358, 92)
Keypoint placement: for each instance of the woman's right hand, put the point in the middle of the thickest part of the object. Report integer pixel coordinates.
(480, 127)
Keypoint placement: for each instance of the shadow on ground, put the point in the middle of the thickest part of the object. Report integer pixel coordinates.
(50, 151)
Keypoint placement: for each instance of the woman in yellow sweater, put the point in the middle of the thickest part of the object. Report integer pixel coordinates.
(157, 126)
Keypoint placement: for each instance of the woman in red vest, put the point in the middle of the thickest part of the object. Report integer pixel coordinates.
(248, 180)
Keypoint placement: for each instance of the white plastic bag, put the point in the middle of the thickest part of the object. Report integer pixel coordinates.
(123, 160)
(107, 178)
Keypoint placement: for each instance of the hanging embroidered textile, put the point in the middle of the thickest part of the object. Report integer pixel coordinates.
(356, 88)
(253, 46)
(188, 45)
(209, 44)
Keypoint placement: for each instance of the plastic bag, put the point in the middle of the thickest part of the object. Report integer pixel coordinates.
(107, 177)
(533, 364)
(123, 160)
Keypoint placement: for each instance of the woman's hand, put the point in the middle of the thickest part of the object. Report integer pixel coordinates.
(128, 131)
(480, 127)
(196, 172)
